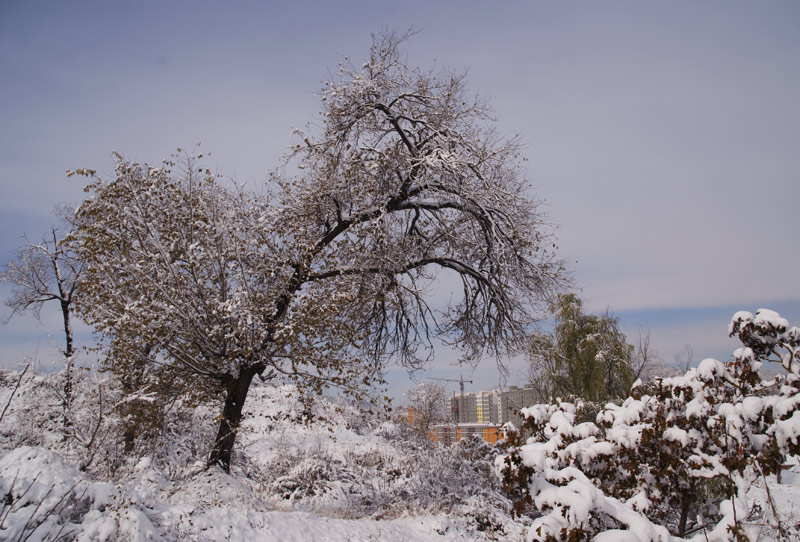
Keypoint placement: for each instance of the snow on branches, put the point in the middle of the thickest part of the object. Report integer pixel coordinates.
(676, 458)
(325, 279)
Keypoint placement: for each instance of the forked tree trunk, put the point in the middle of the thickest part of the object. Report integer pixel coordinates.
(235, 396)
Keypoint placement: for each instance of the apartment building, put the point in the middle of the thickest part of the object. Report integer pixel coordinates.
(492, 407)
(483, 413)
(513, 400)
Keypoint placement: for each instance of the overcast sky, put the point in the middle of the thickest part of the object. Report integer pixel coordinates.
(664, 137)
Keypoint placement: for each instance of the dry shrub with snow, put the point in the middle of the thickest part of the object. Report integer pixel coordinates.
(298, 457)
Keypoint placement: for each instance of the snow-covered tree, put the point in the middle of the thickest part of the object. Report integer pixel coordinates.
(429, 404)
(41, 272)
(46, 271)
(322, 280)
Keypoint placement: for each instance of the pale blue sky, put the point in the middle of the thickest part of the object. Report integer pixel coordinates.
(664, 136)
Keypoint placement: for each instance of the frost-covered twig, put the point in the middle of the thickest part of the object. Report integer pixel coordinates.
(92, 440)
(773, 508)
(32, 525)
(19, 381)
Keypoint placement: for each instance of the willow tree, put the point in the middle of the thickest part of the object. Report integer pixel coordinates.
(587, 356)
(333, 271)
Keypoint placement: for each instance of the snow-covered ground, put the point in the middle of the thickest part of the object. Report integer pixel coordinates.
(207, 506)
(348, 478)
(785, 496)
(345, 477)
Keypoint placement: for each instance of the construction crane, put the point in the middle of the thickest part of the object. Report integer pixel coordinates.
(460, 380)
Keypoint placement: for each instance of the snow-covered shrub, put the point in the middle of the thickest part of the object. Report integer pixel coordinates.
(35, 417)
(346, 464)
(677, 457)
(46, 499)
(352, 466)
(94, 438)
(34, 412)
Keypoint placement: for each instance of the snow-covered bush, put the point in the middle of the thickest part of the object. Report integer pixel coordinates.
(352, 466)
(46, 499)
(35, 417)
(32, 410)
(347, 466)
(677, 457)
(94, 438)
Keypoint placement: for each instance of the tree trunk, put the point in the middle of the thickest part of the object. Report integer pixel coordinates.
(235, 396)
(687, 498)
(67, 328)
(68, 355)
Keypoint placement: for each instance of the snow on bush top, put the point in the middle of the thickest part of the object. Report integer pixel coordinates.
(680, 456)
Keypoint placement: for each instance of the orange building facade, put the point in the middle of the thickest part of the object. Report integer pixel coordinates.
(453, 433)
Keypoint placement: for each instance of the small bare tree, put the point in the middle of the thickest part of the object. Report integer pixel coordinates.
(684, 360)
(42, 272)
(645, 356)
(429, 402)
